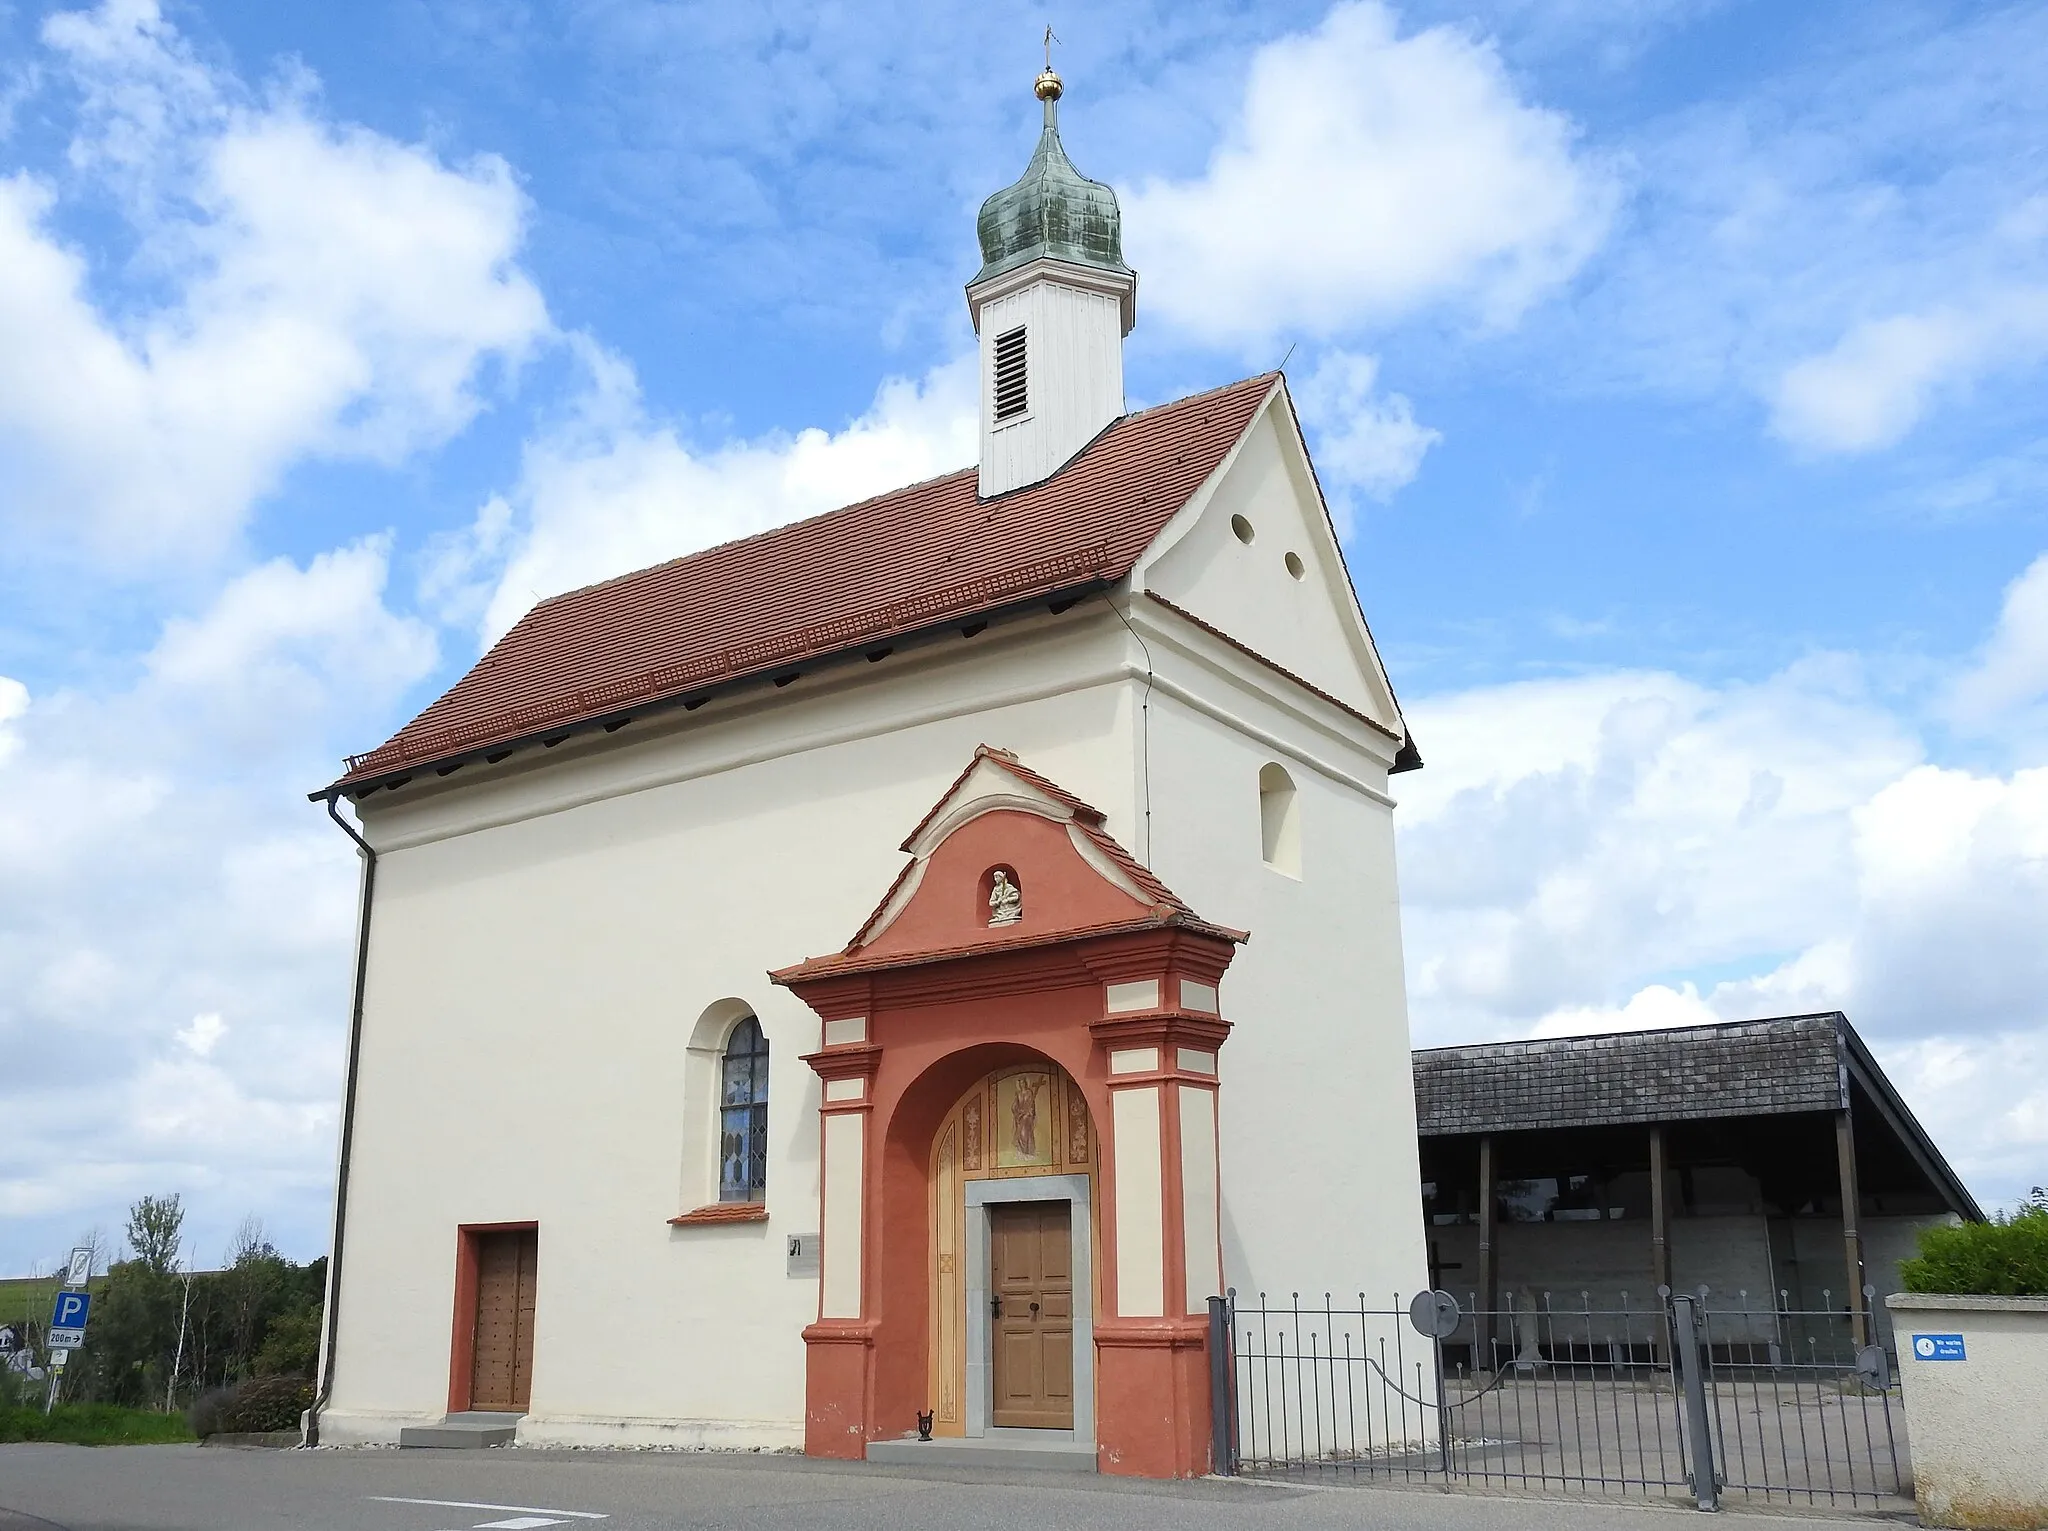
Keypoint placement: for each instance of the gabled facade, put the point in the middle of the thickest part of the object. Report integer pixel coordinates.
(572, 1072)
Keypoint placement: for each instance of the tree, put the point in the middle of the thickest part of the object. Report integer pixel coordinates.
(155, 1226)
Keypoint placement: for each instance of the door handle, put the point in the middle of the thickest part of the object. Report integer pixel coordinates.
(995, 1306)
(1034, 1310)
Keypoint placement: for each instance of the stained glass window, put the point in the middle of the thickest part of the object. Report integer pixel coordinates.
(743, 1116)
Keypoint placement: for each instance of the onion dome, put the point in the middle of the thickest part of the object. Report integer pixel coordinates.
(1052, 211)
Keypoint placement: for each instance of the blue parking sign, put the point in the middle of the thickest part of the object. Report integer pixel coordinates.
(67, 1322)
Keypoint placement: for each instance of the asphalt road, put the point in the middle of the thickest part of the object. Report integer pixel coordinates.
(189, 1488)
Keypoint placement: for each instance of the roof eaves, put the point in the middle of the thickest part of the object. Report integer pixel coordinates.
(1410, 758)
(841, 963)
(689, 696)
(1899, 1117)
(1275, 666)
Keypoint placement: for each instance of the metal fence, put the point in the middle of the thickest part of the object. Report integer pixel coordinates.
(1760, 1402)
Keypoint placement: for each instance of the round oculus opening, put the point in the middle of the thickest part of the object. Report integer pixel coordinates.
(1295, 566)
(1242, 530)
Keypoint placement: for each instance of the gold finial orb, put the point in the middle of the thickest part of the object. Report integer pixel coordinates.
(1048, 86)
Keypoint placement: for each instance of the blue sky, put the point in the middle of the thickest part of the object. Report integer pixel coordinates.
(1676, 368)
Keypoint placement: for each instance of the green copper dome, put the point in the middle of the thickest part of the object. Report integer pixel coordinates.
(1053, 211)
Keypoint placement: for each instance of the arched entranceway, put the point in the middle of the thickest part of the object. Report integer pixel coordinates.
(1018, 1106)
(1013, 1225)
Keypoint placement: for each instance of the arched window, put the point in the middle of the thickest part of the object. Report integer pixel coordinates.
(743, 1115)
(1279, 821)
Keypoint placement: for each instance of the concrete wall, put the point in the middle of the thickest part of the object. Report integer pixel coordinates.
(1745, 1262)
(1976, 1425)
(1605, 1265)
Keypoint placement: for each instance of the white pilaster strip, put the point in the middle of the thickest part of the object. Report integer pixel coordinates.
(1140, 1214)
(839, 1281)
(1198, 1197)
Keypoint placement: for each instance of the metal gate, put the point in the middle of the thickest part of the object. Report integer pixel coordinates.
(1760, 1403)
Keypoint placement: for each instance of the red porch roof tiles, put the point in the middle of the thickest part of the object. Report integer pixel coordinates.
(929, 553)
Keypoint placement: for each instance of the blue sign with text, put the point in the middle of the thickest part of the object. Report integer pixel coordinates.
(67, 1323)
(1938, 1347)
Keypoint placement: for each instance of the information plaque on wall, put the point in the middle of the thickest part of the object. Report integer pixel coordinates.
(802, 1256)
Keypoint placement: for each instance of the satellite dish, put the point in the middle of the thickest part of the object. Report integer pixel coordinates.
(1434, 1314)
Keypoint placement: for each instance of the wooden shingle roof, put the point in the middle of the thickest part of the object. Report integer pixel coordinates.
(1749, 1068)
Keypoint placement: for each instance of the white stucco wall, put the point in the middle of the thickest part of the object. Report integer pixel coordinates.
(533, 987)
(1249, 591)
(1977, 1424)
(1317, 1105)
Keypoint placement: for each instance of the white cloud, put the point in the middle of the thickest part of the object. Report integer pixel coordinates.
(1655, 1008)
(2012, 670)
(1857, 241)
(1371, 175)
(324, 291)
(1620, 851)
(204, 1034)
(161, 872)
(13, 703)
(615, 491)
(1362, 440)
(268, 661)
(1882, 377)
(1569, 832)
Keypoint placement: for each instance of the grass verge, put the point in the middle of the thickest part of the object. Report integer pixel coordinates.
(92, 1424)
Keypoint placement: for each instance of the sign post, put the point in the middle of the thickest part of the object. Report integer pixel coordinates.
(66, 1334)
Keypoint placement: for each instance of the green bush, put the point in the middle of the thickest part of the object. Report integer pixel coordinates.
(2006, 1257)
(258, 1405)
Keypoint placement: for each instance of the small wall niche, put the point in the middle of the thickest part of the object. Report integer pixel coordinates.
(1279, 820)
(992, 910)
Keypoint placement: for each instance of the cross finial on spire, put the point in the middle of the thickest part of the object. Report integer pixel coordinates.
(1048, 86)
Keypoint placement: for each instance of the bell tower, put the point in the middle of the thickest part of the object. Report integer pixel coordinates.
(1051, 304)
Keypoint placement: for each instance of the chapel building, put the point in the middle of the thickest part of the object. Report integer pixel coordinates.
(901, 964)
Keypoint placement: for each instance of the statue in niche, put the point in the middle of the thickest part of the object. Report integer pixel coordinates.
(1024, 1113)
(1005, 900)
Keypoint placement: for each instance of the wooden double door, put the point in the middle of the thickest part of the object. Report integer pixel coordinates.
(1031, 1302)
(501, 1355)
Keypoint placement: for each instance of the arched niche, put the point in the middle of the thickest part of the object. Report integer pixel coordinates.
(1279, 820)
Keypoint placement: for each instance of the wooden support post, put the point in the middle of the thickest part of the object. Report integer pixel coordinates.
(1660, 1214)
(1489, 1269)
(1852, 1237)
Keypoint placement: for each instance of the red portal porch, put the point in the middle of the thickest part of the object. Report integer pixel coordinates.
(1081, 978)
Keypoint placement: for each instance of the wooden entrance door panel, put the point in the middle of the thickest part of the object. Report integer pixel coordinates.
(501, 1365)
(1031, 1279)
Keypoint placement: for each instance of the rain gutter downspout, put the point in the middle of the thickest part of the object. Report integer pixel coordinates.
(348, 1122)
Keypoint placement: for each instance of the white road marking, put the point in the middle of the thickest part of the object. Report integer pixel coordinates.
(471, 1504)
(519, 1523)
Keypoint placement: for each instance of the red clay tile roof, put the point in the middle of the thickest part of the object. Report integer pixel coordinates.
(929, 553)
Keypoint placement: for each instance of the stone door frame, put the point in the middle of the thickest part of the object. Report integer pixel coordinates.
(979, 1357)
